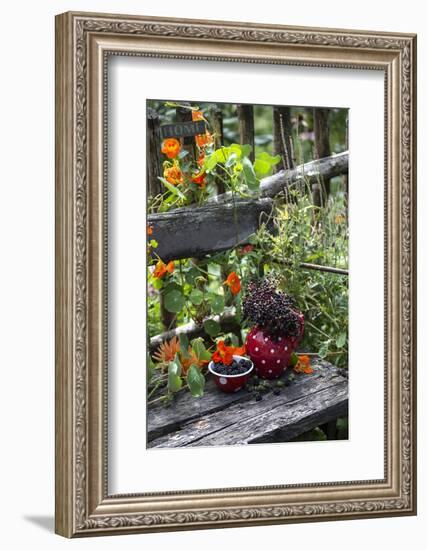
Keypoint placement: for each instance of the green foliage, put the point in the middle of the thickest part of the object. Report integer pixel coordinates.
(217, 302)
(174, 376)
(264, 164)
(174, 301)
(195, 381)
(200, 350)
(213, 328)
(196, 297)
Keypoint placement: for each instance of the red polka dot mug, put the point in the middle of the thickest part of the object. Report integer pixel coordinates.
(230, 383)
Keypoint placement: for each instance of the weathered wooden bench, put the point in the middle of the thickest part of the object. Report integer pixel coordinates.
(235, 419)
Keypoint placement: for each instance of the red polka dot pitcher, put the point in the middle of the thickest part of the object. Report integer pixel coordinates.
(271, 356)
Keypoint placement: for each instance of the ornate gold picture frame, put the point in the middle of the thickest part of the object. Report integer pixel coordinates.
(84, 42)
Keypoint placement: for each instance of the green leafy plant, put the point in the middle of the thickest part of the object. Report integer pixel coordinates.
(177, 365)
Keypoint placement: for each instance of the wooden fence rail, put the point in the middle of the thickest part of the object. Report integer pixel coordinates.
(221, 224)
(195, 232)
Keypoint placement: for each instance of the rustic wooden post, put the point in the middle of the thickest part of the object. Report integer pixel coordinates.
(247, 127)
(345, 177)
(188, 142)
(217, 126)
(322, 146)
(282, 137)
(154, 161)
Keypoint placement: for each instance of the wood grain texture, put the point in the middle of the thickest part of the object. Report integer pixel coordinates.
(195, 232)
(234, 419)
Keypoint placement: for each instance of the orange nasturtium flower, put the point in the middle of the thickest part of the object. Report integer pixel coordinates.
(233, 282)
(173, 175)
(161, 269)
(199, 179)
(303, 365)
(203, 140)
(201, 158)
(224, 354)
(149, 230)
(171, 147)
(197, 115)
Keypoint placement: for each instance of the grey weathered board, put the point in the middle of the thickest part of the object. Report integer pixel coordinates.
(193, 233)
(234, 419)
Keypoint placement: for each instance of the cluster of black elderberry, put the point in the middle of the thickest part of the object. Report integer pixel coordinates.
(271, 310)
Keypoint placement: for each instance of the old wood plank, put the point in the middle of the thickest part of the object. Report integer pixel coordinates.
(164, 420)
(216, 410)
(282, 425)
(195, 232)
(254, 422)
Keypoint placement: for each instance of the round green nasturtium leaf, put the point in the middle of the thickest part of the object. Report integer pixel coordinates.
(212, 327)
(191, 275)
(172, 286)
(217, 303)
(174, 301)
(196, 297)
(195, 381)
(174, 378)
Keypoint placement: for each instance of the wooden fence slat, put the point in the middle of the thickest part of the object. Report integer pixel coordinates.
(216, 119)
(154, 163)
(247, 127)
(322, 149)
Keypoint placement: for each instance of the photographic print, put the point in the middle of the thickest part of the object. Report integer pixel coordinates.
(247, 273)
